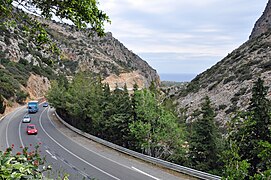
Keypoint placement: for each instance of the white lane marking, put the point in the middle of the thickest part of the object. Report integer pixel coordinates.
(72, 152)
(7, 143)
(145, 173)
(51, 154)
(20, 136)
(131, 168)
(51, 120)
(128, 167)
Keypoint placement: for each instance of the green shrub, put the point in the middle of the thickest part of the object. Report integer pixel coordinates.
(229, 79)
(222, 106)
(266, 65)
(24, 164)
(7, 41)
(244, 77)
(36, 69)
(23, 47)
(241, 92)
(234, 99)
(23, 61)
(72, 65)
(231, 109)
(6, 90)
(2, 105)
(21, 96)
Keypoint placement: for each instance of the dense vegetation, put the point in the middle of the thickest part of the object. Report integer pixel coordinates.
(139, 121)
(24, 165)
(249, 141)
(142, 121)
(204, 140)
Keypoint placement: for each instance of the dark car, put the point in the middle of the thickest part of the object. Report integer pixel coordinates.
(45, 104)
(31, 129)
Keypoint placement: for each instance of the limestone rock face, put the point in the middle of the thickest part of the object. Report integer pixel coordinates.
(263, 24)
(37, 86)
(130, 79)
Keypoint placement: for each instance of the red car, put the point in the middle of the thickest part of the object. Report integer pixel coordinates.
(31, 129)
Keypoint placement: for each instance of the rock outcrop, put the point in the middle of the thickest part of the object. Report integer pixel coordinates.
(263, 24)
(130, 79)
(37, 86)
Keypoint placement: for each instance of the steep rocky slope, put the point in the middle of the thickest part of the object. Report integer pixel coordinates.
(31, 67)
(263, 24)
(101, 55)
(229, 82)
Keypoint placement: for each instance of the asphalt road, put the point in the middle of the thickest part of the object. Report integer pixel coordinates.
(70, 153)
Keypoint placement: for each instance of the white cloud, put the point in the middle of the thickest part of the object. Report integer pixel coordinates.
(209, 28)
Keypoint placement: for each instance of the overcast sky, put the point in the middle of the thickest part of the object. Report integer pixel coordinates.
(182, 36)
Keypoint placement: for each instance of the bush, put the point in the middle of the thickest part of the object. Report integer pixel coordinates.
(23, 165)
(6, 90)
(2, 105)
(229, 79)
(222, 106)
(21, 96)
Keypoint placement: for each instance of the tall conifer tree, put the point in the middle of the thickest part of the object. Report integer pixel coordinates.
(254, 129)
(203, 140)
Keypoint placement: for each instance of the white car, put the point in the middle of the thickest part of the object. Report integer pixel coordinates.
(26, 119)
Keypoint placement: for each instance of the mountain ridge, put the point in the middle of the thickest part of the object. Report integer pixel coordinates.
(26, 68)
(78, 51)
(228, 83)
(263, 24)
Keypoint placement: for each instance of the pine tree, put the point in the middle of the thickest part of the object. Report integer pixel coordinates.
(107, 109)
(203, 147)
(122, 116)
(254, 128)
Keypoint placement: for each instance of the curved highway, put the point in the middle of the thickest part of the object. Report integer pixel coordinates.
(70, 153)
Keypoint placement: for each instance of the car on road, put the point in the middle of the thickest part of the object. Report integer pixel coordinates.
(26, 119)
(45, 104)
(31, 129)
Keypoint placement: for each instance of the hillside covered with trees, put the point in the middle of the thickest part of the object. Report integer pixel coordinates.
(144, 122)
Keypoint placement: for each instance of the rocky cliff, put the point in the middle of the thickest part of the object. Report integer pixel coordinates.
(31, 68)
(263, 24)
(228, 83)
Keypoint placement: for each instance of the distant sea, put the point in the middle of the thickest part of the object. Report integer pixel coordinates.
(177, 77)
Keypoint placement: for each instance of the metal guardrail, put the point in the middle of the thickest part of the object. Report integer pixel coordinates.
(165, 164)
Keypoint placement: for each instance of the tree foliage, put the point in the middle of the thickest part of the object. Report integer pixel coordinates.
(139, 122)
(235, 167)
(251, 132)
(156, 129)
(203, 141)
(82, 13)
